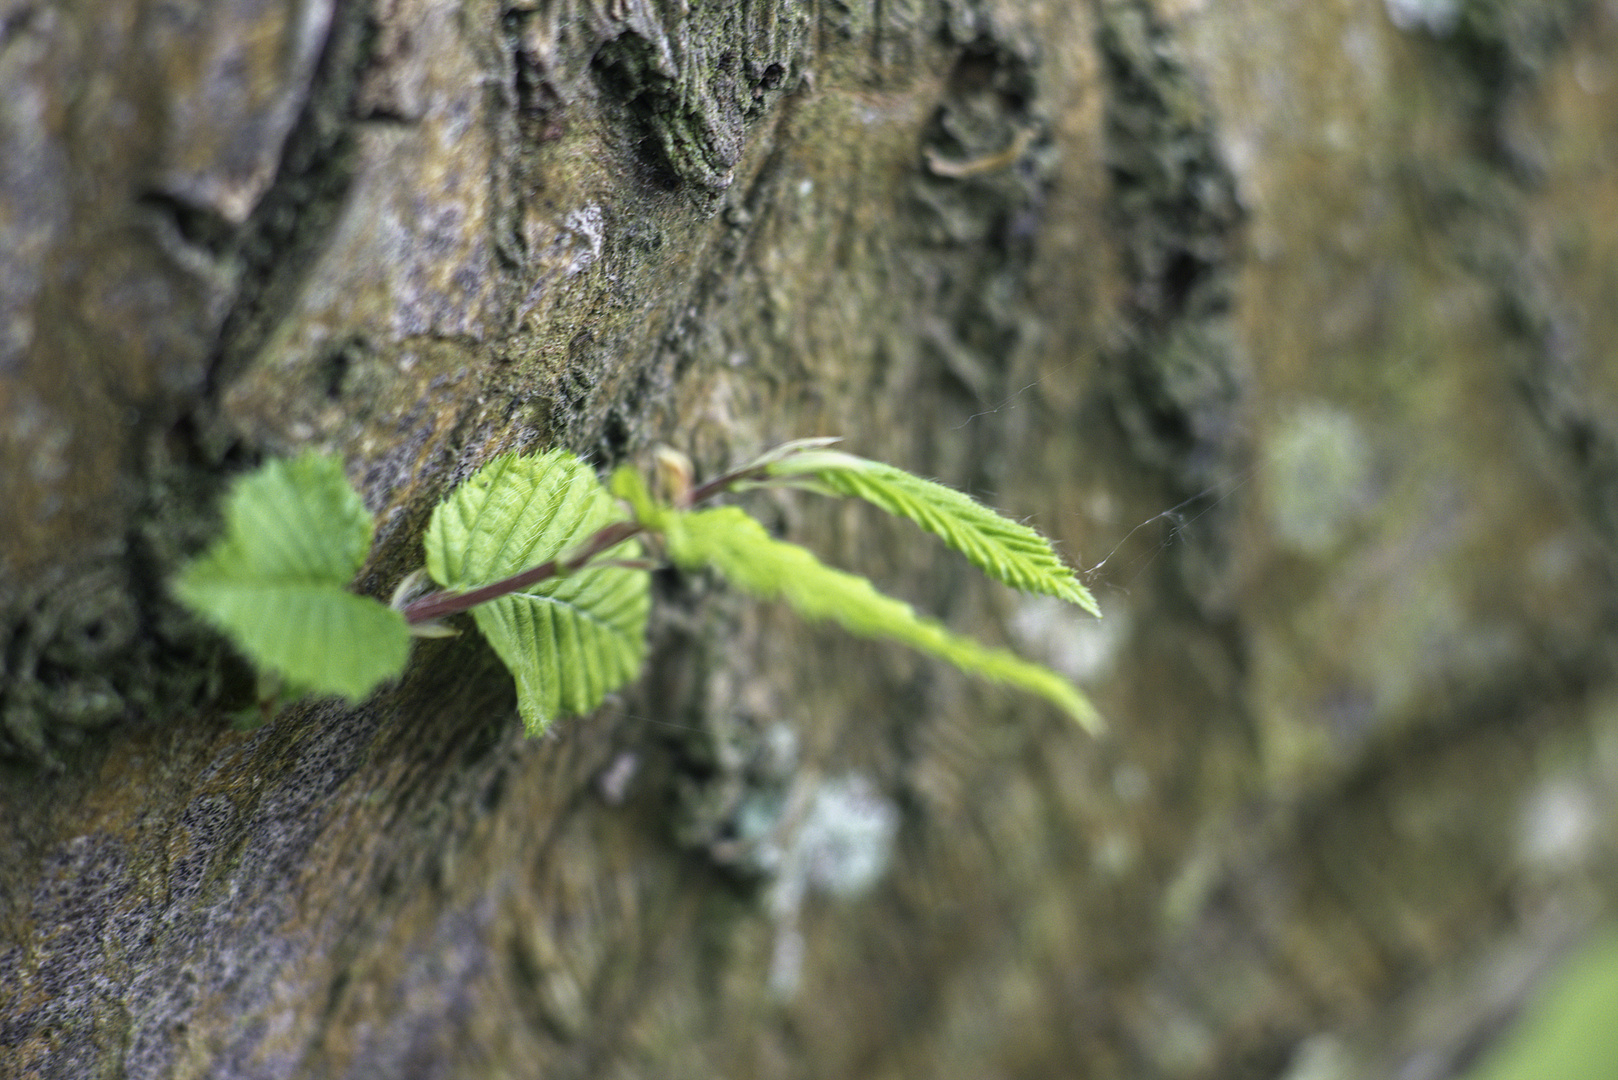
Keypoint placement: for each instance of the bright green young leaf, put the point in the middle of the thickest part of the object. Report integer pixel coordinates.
(627, 485)
(730, 541)
(295, 534)
(1567, 1031)
(1007, 551)
(569, 641)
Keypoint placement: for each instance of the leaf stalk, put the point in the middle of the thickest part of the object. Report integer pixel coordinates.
(444, 603)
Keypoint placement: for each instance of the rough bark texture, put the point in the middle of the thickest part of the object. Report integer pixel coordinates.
(1293, 321)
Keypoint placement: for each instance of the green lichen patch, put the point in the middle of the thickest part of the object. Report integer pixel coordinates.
(85, 648)
(85, 652)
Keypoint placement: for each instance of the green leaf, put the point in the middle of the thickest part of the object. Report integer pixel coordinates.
(295, 534)
(569, 641)
(1006, 550)
(730, 541)
(628, 485)
(1567, 1030)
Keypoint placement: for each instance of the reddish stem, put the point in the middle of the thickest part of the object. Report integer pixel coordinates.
(438, 605)
(721, 484)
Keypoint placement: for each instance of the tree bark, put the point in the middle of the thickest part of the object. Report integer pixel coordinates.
(1292, 325)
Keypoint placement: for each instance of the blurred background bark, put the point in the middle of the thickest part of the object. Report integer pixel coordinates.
(1293, 324)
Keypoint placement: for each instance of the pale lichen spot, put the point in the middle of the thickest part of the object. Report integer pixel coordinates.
(1067, 639)
(1318, 478)
(842, 847)
(1558, 826)
(1435, 17)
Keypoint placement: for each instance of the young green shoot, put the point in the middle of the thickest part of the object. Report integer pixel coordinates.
(551, 567)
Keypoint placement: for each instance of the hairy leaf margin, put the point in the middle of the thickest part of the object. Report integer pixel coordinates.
(1006, 550)
(736, 545)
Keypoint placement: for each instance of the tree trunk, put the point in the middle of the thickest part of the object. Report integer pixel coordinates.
(1291, 323)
